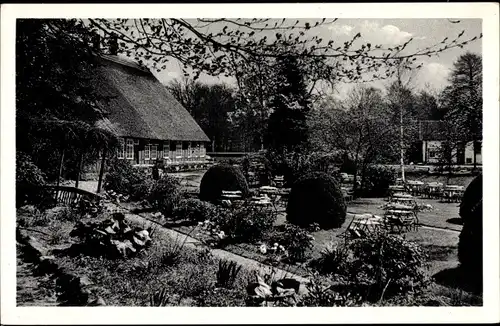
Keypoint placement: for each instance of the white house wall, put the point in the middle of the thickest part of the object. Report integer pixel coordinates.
(431, 148)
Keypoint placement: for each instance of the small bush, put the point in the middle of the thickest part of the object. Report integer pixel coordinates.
(377, 180)
(385, 264)
(245, 224)
(227, 273)
(194, 210)
(141, 190)
(316, 198)
(222, 177)
(470, 247)
(332, 261)
(296, 241)
(165, 195)
(124, 179)
(28, 178)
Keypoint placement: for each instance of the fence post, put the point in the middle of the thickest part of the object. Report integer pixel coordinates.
(101, 172)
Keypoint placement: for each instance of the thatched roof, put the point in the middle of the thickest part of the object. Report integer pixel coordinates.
(140, 106)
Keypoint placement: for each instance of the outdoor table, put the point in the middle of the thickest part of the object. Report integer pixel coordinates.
(366, 223)
(401, 218)
(416, 186)
(405, 201)
(361, 225)
(434, 189)
(452, 193)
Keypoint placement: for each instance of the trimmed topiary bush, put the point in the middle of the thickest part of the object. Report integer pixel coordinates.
(316, 198)
(222, 177)
(470, 245)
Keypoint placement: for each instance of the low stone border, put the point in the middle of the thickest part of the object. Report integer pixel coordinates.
(72, 290)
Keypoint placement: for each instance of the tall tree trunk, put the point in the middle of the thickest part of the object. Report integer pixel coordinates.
(61, 163)
(101, 172)
(78, 173)
(474, 150)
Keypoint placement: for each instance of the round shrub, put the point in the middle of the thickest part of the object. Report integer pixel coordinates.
(28, 178)
(316, 198)
(222, 177)
(194, 210)
(377, 180)
(470, 248)
(165, 194)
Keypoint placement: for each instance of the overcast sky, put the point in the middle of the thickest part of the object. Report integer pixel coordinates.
(425, 32)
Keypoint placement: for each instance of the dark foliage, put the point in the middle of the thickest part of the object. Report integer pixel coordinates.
(124, 179)
(222, 177)
(316, 198)
(257, 168)
(470, 245)
(194, 210)
(245, 224)
(376, 181)
(165, 194)
(28, 180)
(287, 128)
(296, 241)
(56, 102)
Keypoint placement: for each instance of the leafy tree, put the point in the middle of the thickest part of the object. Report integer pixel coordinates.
(360, 129)
(287, 128)
(463, 99)
(217, 46)
(210, 106)
(56, 103)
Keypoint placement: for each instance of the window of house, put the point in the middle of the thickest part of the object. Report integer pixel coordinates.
(154, 152)
(197, 151)
(185, 145)
(178, 149)
(130, 149)
(468, 160)
(166, 149)
(202, 150)
(147, 152)
(121, 149)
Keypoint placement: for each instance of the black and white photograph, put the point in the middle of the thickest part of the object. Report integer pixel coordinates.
(293, 161)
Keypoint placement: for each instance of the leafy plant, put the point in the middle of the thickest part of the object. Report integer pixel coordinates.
(124, 179)
(165, 195)
(173, 252)
(385, 264)
(297, 242)
(160, 298)
(245, 224)
(227, 273)
(194, 210)
(332, 261)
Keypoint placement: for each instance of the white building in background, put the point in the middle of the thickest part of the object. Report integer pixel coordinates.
(432, 134)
